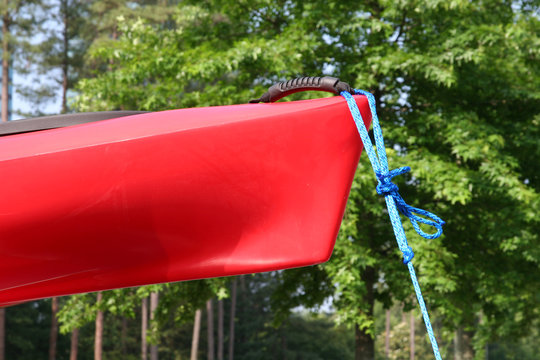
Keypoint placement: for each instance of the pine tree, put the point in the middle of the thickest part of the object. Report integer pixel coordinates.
(232, 318)
(74, 345)
(19, 22)
(57, 61)
(210, 329)
(220, 330)
(196, 334)
(2, 334)
(144, 328)
(53, 337)
(154, 300)
(98, 338)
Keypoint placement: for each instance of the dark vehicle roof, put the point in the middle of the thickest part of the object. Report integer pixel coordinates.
(58, 121)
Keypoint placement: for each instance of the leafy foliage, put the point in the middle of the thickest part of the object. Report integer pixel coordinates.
(27, 332)
(457, 85)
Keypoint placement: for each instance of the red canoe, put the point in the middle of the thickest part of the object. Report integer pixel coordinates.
(174, 195)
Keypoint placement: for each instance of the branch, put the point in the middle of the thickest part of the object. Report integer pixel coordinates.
(401, 26)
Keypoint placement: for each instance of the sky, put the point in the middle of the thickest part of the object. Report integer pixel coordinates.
(21, 104)
(19, 80)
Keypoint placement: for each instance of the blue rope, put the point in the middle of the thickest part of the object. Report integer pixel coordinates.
(394, 201)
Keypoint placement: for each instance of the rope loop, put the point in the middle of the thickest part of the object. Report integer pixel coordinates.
(413, 214)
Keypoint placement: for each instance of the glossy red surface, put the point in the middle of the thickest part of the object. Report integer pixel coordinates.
(175, 195)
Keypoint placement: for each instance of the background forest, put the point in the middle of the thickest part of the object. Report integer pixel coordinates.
(457, 84)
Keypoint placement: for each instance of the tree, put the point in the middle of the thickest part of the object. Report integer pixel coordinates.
(65, 48)
(6, 24)
(20, 20)
(74, 347)
(2, 333)
(232, 319)
(447, 92)
(412, 336)
(196, 334)
(210, 328)
(194, 86)
(108, 12)
(72, 26)
(98, 339)
(106, 15)
(400, 341)
(84, 309)
(54, 329)
(28, 332)
(144, 327)
(220, 330)
(387, 333)
(58, 58)
(154, 299)
(123, 336)
(298, 336)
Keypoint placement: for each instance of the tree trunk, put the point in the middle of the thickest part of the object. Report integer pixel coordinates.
(114, 36)
(196, 334)
(123, 336)
(283, 344)
(144, 328)
(210, 328)
(411, 336)
(6, 22)
(468, 351)
(231, 321)
(463, 349)
(2, 333)
(243, 284)
(74, 344)
(457, 346)
(53, 335)
(65, 57)
(387, 335)
(98, 340)
(154, 299)
(364, 343)
(220, 330)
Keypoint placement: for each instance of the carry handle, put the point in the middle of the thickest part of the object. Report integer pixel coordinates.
(314, 83)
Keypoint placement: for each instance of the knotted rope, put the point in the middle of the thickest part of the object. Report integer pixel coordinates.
(394, 201)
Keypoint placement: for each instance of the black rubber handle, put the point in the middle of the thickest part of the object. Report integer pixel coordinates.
(282, 89)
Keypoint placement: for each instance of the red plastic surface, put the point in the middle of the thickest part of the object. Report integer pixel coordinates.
(175, 195)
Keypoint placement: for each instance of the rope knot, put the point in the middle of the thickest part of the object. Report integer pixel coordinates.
(408, 255)
(385, 185)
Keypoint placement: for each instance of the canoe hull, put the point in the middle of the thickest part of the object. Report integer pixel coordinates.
(176, 195)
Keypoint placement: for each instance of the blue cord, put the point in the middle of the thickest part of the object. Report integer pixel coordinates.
(394, 201)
